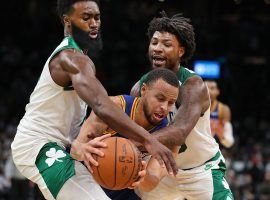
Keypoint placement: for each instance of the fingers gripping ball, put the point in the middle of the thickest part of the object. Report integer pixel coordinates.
(120, 166)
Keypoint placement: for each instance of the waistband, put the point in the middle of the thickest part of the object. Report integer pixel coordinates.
(216, 157)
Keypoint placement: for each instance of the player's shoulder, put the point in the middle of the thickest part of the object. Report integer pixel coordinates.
(224, 107)
(121, 100)
(116, 99)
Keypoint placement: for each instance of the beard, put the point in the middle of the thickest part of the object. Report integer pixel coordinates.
(82, 38)
(148, 115)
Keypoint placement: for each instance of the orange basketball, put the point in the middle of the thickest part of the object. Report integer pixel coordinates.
(119, 167)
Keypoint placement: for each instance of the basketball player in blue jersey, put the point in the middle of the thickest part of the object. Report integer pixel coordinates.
(201, 166)
(57, 108)
(159, 92)
(220, 116)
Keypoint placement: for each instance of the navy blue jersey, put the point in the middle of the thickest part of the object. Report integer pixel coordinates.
(129, 105)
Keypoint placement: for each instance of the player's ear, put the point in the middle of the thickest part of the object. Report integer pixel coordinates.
(181, 51)
(143, 89)
(66, 20)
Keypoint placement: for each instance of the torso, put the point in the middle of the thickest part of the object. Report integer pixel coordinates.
(54, 113)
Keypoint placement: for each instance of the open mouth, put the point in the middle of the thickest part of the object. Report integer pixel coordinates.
(93, 34)
(158, 60)
(158, 116)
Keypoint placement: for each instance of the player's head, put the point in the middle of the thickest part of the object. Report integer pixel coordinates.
(81, 20)
(172, 40)
(213, 89)
(158, 94)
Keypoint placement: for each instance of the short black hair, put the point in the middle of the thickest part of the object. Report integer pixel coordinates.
(178, 26)
(65, 6)
(162, 73)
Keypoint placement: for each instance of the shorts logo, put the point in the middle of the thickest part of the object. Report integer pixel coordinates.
(53, 156)
(208, 166)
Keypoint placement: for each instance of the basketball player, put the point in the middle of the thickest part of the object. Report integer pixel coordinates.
(220, 115)
(159, 92)
(201, 167)
(57, 108)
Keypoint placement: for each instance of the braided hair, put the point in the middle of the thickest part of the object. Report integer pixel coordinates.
(178, 26)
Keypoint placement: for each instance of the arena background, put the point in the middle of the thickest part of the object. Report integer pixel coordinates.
(234, 33)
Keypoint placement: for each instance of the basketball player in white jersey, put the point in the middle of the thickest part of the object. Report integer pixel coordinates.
(57, 108)
(220, 115)
(201, 167)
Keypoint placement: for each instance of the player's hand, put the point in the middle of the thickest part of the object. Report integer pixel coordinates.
(141, 174)
(84, 151)
(162, 154)
(217, 127)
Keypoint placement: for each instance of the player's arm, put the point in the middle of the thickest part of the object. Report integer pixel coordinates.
(93, 93)
(154, 174)
(194, 101)
(93, 126)
(92, 131)
(226, 136)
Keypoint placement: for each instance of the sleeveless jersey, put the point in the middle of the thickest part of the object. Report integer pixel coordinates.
(54, 114)
(199, 146)
(216, 113)
(129, 106)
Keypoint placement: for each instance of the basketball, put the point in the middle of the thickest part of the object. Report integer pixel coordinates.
(120, 166)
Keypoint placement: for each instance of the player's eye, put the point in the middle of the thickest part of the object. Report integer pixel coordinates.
(168, 44)
(97, 17)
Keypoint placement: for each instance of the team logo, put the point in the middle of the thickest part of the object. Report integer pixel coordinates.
(53, 156)
(208, 166)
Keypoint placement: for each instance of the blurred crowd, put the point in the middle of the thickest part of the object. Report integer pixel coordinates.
(236, 33)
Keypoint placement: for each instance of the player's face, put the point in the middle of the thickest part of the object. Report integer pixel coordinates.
(165, 50)
(158, 100)
(85, 24)
(213, 89)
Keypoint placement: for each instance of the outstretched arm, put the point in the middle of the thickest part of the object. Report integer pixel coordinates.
(93, 93)
(94, 126)
(194, 101)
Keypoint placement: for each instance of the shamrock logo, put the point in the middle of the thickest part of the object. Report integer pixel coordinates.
(53, 156)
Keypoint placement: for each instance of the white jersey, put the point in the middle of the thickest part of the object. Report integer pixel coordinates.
(199, 146)
(52, 115)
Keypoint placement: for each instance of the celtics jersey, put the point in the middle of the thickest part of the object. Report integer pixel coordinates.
(199, 146)
(53, 114)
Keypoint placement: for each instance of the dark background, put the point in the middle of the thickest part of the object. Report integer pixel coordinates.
(234, 32)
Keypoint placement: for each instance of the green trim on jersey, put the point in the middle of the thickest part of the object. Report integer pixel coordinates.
(183, 74)
(67, 43)
(55, 166)
(221, 188)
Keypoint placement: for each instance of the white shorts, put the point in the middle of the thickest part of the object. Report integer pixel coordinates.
(61, 178)
(205, 182)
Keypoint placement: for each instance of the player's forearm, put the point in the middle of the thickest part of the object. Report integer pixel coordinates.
(227, 140)
(149, 183)
(108, 112)
(176, 133)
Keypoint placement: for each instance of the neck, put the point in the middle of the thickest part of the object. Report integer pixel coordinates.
(176, 68)
(213, 104)
(140, 117)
